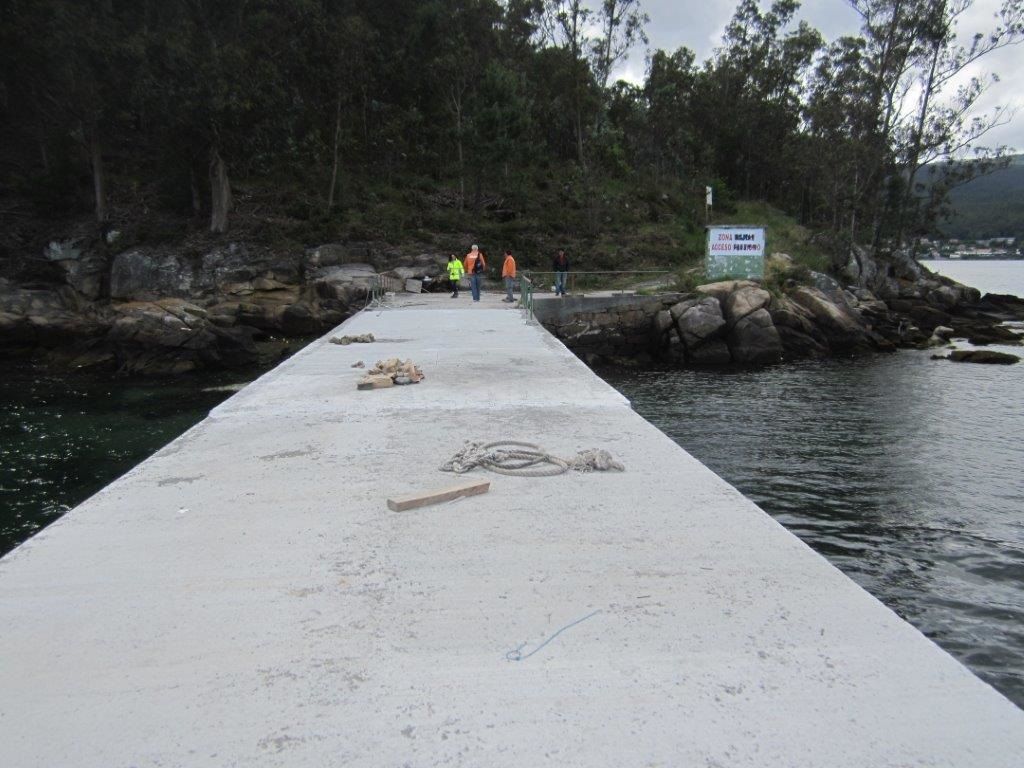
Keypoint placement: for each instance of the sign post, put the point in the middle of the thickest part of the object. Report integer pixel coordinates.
(735, 251)
(707, 205)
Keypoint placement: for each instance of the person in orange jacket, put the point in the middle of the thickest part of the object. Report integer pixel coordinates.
(508, 273)
(475, 266)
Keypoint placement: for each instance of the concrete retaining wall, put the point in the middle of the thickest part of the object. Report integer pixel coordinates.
(612, 328)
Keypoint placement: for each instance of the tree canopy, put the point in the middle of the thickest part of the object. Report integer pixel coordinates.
(179, 101)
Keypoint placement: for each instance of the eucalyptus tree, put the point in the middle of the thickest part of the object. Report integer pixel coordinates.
(567, 24)
(71, 65)
(220, 77)
(501, 126)
(622, 26)
(670, 118)
(894, 36)
(336, 70)
(943, 126)
(924, 98)
(748, 97)
(459, 54)
(840, 125)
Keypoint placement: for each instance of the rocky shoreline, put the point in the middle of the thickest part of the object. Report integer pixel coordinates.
(152, 311)
(886, 303)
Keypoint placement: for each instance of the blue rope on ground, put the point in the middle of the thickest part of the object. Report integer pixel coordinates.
(517, 654)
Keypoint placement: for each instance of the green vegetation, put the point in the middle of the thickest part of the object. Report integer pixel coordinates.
(785, 234)
(989, 206)
(436, 122)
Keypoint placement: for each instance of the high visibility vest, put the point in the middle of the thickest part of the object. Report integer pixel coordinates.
(455, 269)
(471, 259)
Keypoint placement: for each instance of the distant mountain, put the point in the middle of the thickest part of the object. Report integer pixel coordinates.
(989, 206)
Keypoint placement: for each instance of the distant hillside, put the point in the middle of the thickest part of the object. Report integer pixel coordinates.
(989, 206)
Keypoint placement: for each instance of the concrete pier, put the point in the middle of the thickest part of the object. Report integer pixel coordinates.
(245, 597)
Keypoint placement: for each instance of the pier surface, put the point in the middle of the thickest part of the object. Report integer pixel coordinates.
(245, 597)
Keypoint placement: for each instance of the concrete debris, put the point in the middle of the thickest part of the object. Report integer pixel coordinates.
(394, 371)
(365, 338)
(358, 364)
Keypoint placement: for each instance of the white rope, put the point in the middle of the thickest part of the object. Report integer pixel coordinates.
(511, 457)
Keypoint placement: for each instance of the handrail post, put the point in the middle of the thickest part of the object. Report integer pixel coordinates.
(526, 296)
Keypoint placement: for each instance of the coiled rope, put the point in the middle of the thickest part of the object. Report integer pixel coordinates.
(511, 457)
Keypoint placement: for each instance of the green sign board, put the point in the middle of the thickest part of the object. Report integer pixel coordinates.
(735, 251)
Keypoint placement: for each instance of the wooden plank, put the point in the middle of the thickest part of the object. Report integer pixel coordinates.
(375, 382)
(423, 499)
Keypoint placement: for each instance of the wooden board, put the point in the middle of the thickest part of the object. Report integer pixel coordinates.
(426, 498)
(375, 382)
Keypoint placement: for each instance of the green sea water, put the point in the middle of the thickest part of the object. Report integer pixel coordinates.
(65, 436)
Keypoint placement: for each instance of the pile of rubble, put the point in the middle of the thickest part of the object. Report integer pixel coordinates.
(365, 338)
(388, 373)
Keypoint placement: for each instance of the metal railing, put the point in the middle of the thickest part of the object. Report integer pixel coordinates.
(526, 295)
(593, 279)
(380, 285)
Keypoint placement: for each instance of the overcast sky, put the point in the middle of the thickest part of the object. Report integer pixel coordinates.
(698, 25)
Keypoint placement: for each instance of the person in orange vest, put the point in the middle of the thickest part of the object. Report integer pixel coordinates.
(508, 273)
(475, 266)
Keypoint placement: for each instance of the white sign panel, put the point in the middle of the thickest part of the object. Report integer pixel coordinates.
(735, 252)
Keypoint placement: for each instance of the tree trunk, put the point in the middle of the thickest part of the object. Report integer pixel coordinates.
(461, 154)
(913, 159)
(884, 97)
(99, 182)
(193, 183)
(220, 192)
(579, 134)
(455, 100)
(366, 122)
(337, 141)
(853, 208)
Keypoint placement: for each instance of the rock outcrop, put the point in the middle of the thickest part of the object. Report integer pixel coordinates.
(157, 310)
(754, 340)
(982, 356)
(740, 322)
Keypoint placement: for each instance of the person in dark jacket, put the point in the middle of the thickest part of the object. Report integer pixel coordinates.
(560, 266)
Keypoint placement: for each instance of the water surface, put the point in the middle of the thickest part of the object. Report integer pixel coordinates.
(65, 436)
(988, 275)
